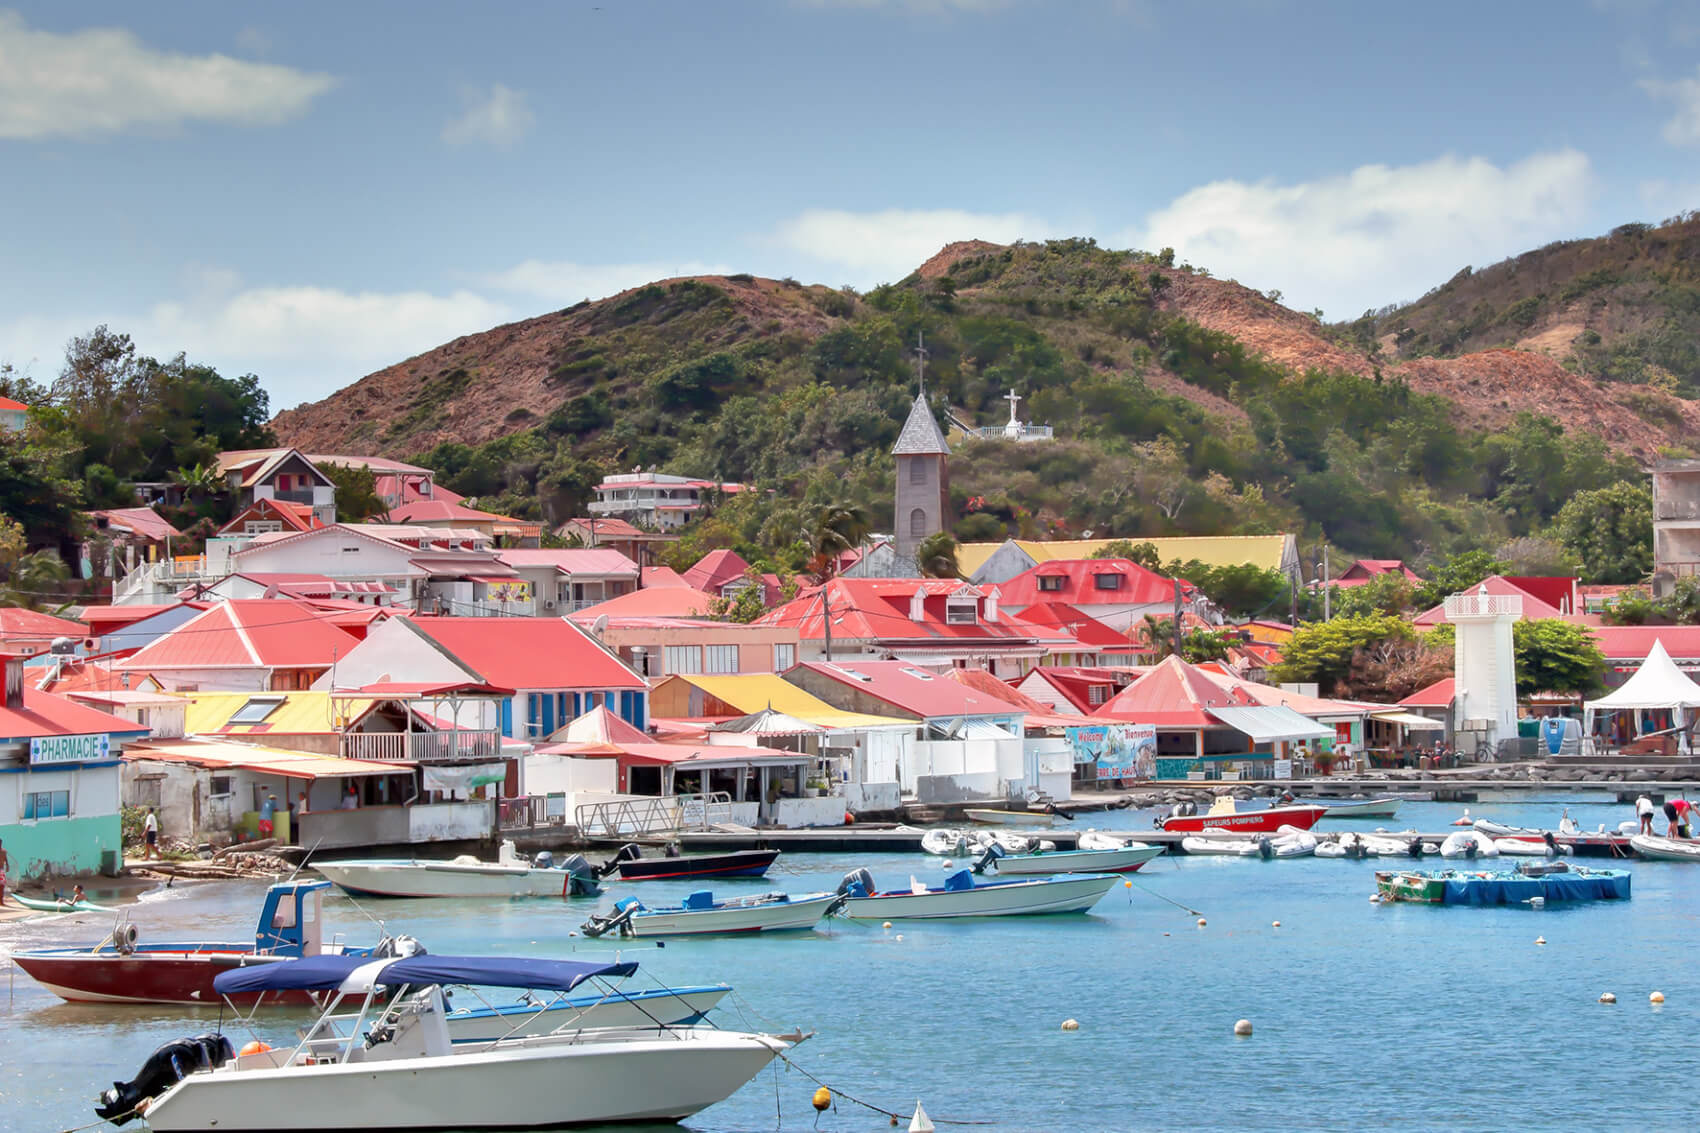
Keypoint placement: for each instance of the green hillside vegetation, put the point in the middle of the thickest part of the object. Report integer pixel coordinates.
(1627, 304)
(677, 378)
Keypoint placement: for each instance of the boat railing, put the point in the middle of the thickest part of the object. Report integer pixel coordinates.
(661, 815)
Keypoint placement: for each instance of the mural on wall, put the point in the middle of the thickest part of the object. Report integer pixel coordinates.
(1118, 751)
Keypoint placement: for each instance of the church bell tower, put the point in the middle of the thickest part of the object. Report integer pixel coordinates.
(923, 483)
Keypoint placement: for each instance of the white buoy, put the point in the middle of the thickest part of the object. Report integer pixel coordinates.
(1656, 997)
(920, 1123)
(945, 864)
(1607, 997)
(1243, 1028)
(1540, 940)
(1071, 1025)
(1200, 922)
(886, 924)
(899, 936)
(1276, 924)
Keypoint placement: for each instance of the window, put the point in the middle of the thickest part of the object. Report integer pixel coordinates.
(46, 804)
(220, 785)
(261, 527)
(917, 471)
(255, 710)
(684, 659)
(1097, 694)
(784, 656)
(1050, 582)
(146, 791)
(918, 523)
(1107, 581)
(959, 613)
(720, 658)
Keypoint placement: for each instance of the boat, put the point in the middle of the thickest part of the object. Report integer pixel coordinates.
(1225, 815)
(1553, 881)
(1288, 842)
(700, 915)
(1665, 849)
(1547, 847)
(400, 1068)
(1122, 859)
(1237, 846)
(961, 896)
(988, 817)
(464, 876)
(631, 865)
(124, 969)
(1100, 840)
(945, 843)
(1470, 843)
(60, 905)
(1366, 808)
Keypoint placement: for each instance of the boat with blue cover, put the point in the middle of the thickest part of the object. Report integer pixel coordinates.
(1551, 881)
(701, 915)
(960, 896)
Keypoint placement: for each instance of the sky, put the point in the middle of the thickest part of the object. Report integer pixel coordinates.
(312, 191)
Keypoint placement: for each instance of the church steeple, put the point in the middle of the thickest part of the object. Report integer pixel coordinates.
(922, 476)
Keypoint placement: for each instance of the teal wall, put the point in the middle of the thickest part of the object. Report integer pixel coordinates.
(59, 847)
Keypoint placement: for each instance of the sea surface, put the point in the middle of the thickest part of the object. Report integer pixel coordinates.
(1366, 1016)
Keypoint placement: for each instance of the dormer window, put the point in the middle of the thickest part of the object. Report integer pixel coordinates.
(1097, 694)
(960, 612)
(1051, 581)
(1107, 581)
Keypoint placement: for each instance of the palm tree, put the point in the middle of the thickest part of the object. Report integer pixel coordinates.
(198, 481)
(936, 556)
(838, 528)
(37, 580)
(1155, 637)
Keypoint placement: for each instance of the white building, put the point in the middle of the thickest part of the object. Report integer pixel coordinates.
(654, 499)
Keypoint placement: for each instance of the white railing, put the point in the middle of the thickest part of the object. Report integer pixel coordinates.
(1483, 606)
(661, 815)
(1021, 433)
(425, 747)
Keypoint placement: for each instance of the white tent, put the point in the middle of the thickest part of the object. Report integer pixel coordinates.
(1658, 683)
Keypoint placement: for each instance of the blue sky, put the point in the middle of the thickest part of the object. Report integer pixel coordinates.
(314, 190)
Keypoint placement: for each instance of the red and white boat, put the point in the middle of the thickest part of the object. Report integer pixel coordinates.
(1226, 816)
(123, 969)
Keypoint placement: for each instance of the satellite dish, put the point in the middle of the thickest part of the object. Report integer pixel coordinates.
(599, 625)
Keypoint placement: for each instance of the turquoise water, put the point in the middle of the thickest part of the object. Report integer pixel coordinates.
(1367, 1016)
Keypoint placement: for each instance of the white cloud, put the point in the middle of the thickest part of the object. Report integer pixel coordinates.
(1376, 235)
(882, 246)
(1683, 129)
(104, 80)
(498, 118)
(561, 281)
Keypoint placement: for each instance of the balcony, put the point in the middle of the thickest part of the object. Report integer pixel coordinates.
(1677, 508)
(294, 496)
(421, 747)
(1467, 606)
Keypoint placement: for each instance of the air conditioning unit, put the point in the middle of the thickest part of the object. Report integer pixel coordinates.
(549, 605)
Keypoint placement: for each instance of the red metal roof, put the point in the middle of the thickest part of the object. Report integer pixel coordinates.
(45, 714)
(909, 689)
(1633, 643)
(294, 516)
(1440, 694)
(715, 570)
(9, 403)
(446, 513)
(1173, 694)
(1079, 586)
(143, 521)
(664, 577)
(17, 623)
(653, 602)
(110, 619)
(274, 633)
(1083, 627)
(529, 653)
(570, 560)
(1075, 683)
(877, 609)
(1364, 570)
(403, 690)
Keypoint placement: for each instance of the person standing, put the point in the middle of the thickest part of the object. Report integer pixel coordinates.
(1644, 811)
(150, 836)
(1684, 817)
(5, 863)
(267, 809)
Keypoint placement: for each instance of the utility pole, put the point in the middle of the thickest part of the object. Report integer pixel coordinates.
(1327, 599)
(1177, 625)
(826, 620)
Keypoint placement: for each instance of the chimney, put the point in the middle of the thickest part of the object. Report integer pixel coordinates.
(14, 679)
(989, 608)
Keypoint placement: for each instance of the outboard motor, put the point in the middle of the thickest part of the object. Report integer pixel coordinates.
(1266, 848)
(990, 854)
(1416, 847)
(398, 946)
(1552, 844)
(164, 1068)
(857, 883)
(543, 859)
(581, 877)
(1471, 848)
(619, 919)
(630, 852)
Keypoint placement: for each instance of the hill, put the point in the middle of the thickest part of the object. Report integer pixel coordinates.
(1184, 404)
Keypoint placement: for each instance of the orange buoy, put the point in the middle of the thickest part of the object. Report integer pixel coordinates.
(823, 1099)
(254, 1047)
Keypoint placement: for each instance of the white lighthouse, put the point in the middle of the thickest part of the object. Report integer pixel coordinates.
(1485, 664)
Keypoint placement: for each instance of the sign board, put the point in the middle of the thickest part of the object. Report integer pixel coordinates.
(1283, 769)
(70, 749)
(1119, 751)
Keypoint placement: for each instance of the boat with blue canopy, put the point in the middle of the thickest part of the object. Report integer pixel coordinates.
(1528, 884)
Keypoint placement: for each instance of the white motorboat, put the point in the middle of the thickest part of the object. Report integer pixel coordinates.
(465, 876)
(1661, 849)
(1365, 808)
(961, 896)
(398, 1068)
(945, 843)
(1287, 842)
(1566, 826)
(701, 915)
(1122, 859)
(1348, 845)
(1236, 846)
(989, 817)
(1470, 843)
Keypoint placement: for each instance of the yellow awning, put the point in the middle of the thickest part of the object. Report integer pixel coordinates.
(752, 692)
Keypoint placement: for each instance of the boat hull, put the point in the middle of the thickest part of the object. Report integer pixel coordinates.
(41, 906)
(1665, 849)
(444, 879)
(1369, 808)
(548, 1083)
(1248, 821)
(989, 817)
(1075, 894)
(735, 863)
(796, 915)
(1125, 860)
(181, 975)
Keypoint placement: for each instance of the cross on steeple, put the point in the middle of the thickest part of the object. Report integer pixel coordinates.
(921, 363)
(1012, 397)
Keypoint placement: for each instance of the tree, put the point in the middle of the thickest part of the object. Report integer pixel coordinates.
(980, 527)
(1458, 574)
(838, 527)
(1535, 556)
(356, 492)
(1387, 593)
(1323, 652)
(1557, 656)
(1393, 668)
(1240, 590)
(746, 604)
(1145, 554)
(936, 557)
(37, 581)
(1611, 531)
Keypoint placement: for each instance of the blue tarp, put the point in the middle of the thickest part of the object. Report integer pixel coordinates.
(1514, 888)
(324, 973)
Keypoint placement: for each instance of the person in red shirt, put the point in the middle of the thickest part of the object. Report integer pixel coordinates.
(1684, 825)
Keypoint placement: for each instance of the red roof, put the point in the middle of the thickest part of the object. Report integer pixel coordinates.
(571, 560)
(246, 633)
(446, 513)
(664, 577)
(605, 528)
(293, 516)
(9, 403)
(110, 619)
(877, 609)
(715, 570)
(1633, 643)
(143, 521)
(1038, 715)
(19, 624)
(1173, 694)
(1440, 694)
(1534, 607)
(909, 689)
(405, 489)
(528, 653)
(1083, 627)
(45, 714)
(1364, 570)
(1075, 683)
(656, 602)
(1078, 584)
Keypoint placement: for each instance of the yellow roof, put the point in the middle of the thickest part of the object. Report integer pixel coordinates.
(752, 692)
(1265, 551)
(296, 713)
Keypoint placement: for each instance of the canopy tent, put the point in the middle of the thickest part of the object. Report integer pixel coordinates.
(1271, 723)
(1411, 721)
(1658, 683)
(767, 722)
